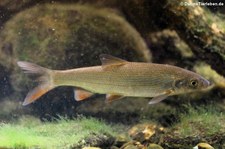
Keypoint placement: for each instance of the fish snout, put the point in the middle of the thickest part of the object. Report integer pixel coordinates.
(205, 83)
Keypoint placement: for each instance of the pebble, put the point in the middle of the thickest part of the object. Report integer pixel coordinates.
(142, 132)
(91, 148)
(154, 146)
(203, 146)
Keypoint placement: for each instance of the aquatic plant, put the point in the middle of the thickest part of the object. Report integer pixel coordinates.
(30, 132)
(197, 124)
(200, 121)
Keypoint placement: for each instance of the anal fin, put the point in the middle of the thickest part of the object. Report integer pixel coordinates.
(80, 94)
(112, 97)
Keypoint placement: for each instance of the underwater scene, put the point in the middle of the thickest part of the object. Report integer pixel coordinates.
(112, 74)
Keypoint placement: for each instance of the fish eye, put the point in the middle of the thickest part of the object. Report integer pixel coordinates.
(193, 83)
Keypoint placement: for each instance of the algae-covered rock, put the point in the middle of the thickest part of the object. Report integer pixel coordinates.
(91, 148)
(68, 36)
(203, 146)
(205, 70)
(50, 30)
(13, 5)
(132, 145)
(154, 146)
(61, 36)
(121, 139)
(5, 86)
(96, 140)
(146, 131)
(167, 46)
(203, 124)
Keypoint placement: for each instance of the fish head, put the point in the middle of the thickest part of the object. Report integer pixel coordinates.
(189, 83)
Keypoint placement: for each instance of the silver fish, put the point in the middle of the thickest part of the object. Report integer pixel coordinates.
(117, 78)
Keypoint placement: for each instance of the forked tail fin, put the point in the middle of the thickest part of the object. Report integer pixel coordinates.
(45, 79)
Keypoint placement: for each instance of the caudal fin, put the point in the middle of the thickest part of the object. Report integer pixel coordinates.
(45, 80)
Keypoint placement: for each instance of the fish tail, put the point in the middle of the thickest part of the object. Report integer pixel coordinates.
(45, 80)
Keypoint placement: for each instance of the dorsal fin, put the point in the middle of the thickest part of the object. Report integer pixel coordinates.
(108, 60)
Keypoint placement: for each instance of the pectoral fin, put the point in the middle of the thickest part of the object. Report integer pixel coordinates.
(80, 94)
(111, 97)
(159, 98)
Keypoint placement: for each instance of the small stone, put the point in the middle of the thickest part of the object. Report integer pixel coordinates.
(121, 139)
(154, 146)
(203, 146)
(114, 147)
(131, 146)
(142, 132)
(97, 140)
(91, 148)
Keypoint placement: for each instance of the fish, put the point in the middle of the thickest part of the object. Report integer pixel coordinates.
(117, 78)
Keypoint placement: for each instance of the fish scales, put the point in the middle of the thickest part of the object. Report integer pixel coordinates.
(131, 79)
(117, 78)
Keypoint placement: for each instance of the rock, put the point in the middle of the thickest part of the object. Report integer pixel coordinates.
(175, 142)
(205, 70)
(9, 7)
(203, 146)
(97, 140)
(154, 146)
(19, 5)
(14, 5)
(8, 108)
(198, 124)
(132, 145)
(114, 147)
(91, 148)
(5, 86)
(56, 40)
(167, 46)
(121, 139)
(145, 131)
(63, 36)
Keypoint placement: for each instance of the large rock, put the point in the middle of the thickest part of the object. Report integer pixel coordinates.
(14, 5)
(66, 36)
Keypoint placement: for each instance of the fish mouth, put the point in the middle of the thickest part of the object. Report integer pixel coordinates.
(206, 83)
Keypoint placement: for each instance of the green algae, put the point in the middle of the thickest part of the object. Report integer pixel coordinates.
(204, 123)
(201, 121)
(63, 133)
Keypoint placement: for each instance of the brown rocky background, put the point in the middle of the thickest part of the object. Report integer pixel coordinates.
(64, 34)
